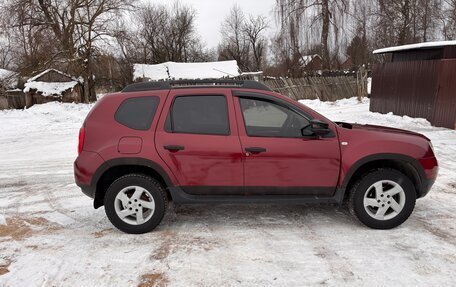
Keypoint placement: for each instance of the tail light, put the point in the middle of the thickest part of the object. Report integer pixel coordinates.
(81, 140)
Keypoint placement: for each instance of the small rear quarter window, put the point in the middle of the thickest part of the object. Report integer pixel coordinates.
(137, 113)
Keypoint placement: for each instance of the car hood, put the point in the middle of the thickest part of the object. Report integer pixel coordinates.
(376, 128)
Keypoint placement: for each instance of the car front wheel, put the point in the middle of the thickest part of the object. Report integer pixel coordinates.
(135, 203)
(382, 199)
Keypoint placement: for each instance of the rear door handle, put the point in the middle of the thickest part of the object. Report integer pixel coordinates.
(255, 149)
(173, 147)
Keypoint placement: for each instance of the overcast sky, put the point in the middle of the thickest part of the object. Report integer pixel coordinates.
(210, 14)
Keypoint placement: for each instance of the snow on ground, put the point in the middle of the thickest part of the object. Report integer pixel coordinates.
(51, 236)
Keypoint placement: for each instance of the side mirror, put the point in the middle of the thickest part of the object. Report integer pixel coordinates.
(315, 128)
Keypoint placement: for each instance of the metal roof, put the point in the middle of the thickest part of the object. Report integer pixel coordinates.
(425, 45)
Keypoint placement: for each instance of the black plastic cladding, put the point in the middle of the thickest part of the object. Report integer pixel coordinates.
(166, 85)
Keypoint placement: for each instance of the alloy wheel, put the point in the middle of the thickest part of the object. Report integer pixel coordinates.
(384, 200)
(134, 205)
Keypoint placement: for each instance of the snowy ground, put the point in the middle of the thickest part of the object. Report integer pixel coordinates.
(51, 236)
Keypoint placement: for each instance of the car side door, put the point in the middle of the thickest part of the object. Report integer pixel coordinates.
(278, 159)
(197, 138)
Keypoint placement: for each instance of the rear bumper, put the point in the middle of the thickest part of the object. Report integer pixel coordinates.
(85, 167)
(87, 190)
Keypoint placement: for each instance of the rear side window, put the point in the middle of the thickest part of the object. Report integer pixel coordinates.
(199, 115)
(137, 113)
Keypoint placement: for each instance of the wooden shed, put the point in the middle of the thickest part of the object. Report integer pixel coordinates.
(8, 90)
(311, 62)
(52, 85)
(417, 80)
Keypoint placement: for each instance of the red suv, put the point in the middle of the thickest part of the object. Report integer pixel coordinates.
(234, 141)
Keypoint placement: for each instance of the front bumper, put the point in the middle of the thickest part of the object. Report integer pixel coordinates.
(430, 169)
(426, 186)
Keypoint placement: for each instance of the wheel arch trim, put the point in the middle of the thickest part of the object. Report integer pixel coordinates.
(118, 162)
(133, 161)
(417, 170)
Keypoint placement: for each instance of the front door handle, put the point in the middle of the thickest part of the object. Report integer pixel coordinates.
(173, 147)
(255, 150)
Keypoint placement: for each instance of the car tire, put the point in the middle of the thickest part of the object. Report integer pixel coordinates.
(135, 203)
(382, 198)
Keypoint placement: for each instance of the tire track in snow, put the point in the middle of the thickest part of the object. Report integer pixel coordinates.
(13, 192)
(339, 267)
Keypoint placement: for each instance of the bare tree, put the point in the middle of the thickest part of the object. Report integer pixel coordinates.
(358, 50)
(285, 62)
(6, 51)
(408, 21)
(235, 43)
(286, 51)
(159, 34)
(6, 48)
(243, 40)
(76, 27)
(253, 28)
(322, 14)
(31, 45)
(167, 32)
(448, 20)
(79, 24)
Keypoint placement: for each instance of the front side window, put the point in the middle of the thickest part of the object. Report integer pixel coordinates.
(199, 115)
(264, 118)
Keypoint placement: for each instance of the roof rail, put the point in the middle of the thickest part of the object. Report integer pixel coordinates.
(166, 85)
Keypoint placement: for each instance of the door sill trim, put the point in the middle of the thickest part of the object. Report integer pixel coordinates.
(181, 197)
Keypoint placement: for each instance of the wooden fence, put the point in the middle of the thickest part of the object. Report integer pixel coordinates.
(3, 102)
(325, 88)
(12, 100)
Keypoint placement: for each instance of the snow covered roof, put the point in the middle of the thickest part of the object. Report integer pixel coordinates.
(187, 71)
(425, 45)
(252, 73)
(34, 78)
(47, 88)
(50, 88)
(306, 59)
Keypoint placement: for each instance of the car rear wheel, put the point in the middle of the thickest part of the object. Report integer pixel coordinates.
(382, 199)
(135, 203)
